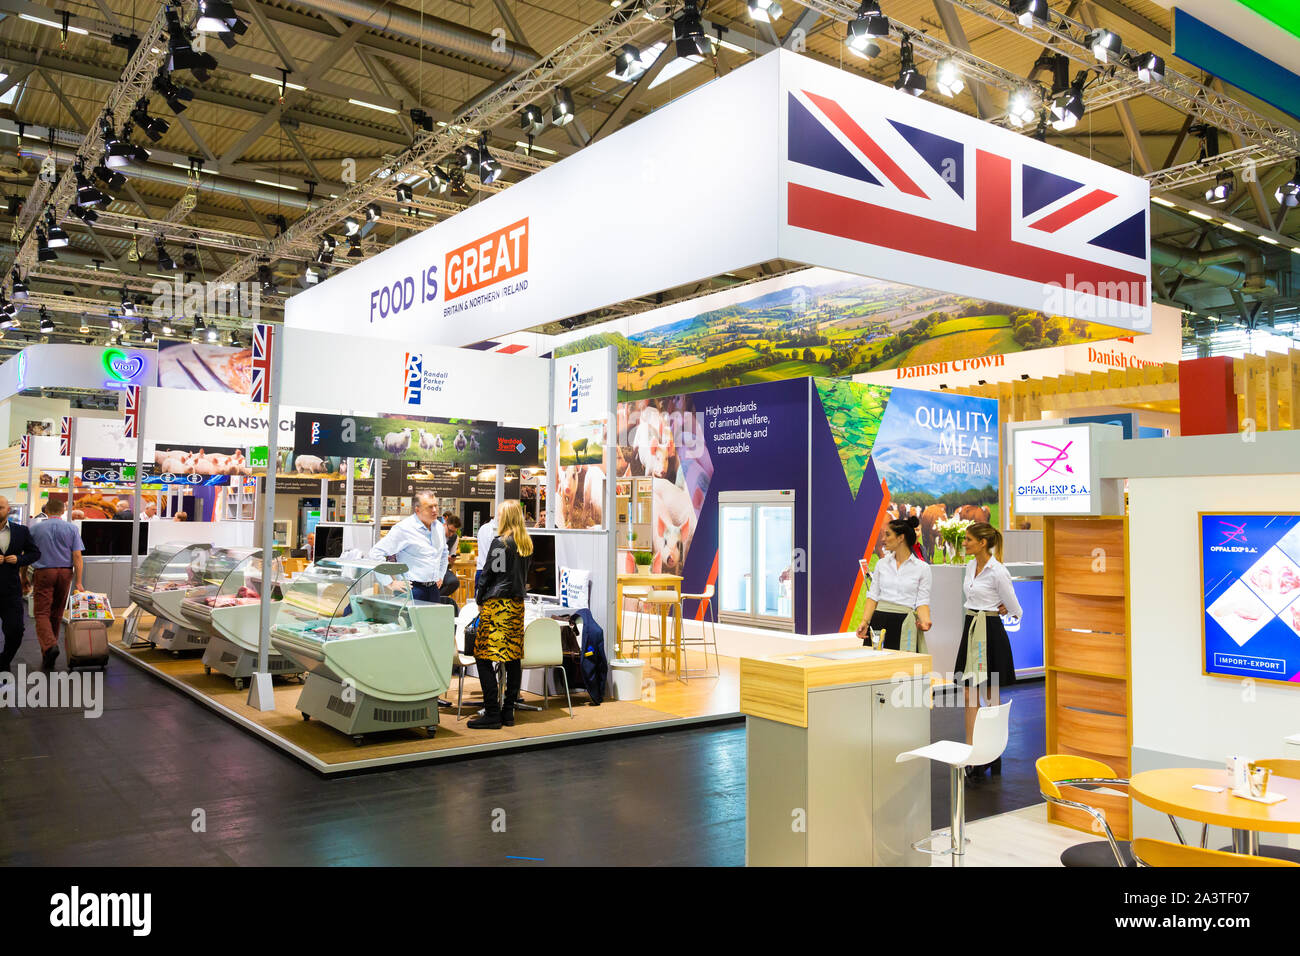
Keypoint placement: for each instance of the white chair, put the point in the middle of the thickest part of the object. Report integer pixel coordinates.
(544, 649)
(990, 739)
(703, 642)
(464, 655)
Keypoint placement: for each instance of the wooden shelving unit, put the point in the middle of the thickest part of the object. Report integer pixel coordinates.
(1089, 691)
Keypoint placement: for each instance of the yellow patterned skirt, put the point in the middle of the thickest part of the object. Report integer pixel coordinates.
(500, 630)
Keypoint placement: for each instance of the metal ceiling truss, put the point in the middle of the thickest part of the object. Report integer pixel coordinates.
(590, 48)
(1180, 92)
(137, 80)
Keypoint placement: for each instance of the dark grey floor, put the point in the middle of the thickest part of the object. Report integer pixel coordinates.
(131, 788)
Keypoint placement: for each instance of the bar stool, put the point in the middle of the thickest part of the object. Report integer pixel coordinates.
(990, 739)
(663, 602)
(636, 593)
(692, 673)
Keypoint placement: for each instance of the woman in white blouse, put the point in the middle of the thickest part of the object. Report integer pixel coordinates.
(984, 654)
(898, 601)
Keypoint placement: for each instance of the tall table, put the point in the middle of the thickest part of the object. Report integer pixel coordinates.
(660, 582)
(1171, 791)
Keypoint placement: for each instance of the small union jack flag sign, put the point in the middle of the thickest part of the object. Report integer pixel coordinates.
(132, 414)
(263, 340)
(65, 434)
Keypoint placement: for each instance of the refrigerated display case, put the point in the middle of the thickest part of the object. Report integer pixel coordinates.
(756, 558)
(229, 604)
(375, 658)
(158, 588)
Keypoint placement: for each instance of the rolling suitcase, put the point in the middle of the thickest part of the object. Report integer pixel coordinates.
(86, 643)
(85, 630)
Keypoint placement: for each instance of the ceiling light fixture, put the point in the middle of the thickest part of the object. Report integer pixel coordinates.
(1067, 106)
(867, 24)
(54, 233)
(1027, 11)
(626, 61)
(910, 79)
(47, 324)
(489, 170)
(1105, 45)
(1020, 108)
(764, 11)
(562, 112)
(1150, 68)
(688, 31)
(1288, 194)
(947, 77)
(532, 120)
(1224, 185)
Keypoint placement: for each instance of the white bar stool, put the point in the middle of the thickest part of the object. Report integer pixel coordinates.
(692, 673)
(992, 727)
(636, 593)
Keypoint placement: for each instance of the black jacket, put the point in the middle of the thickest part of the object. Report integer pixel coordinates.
(21, 544)
(594, 664)
(504, 575)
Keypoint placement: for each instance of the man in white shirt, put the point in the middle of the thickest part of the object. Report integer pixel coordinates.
(485, 535)
(420, 542)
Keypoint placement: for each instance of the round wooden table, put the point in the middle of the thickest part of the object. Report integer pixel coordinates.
(1170, 791)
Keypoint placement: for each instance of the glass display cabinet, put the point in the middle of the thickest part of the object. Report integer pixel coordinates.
(159, 587)
(375, 658)
(755, 558)
(229, 604)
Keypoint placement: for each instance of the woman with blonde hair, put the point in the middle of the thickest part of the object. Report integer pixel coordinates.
(984, 655)
(500, 592)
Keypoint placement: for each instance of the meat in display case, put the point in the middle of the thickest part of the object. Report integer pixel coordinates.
(376, 659)
(159, 587)
(229, 603)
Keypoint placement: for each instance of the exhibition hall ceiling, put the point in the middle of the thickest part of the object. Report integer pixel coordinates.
(314, 97)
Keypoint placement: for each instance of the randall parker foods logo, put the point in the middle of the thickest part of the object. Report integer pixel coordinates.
(419, 380)
(414, 378)
(579, 387)
(120, 366)
(1234, 539)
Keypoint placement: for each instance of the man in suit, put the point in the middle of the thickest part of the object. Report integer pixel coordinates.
(18, 550)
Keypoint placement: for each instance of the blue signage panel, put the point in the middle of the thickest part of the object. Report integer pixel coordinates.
(1250, 574)
(1026, 635)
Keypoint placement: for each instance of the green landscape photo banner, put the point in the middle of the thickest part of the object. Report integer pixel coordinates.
(818, 323)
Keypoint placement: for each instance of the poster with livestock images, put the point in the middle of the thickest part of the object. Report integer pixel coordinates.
(196, 465)
(880, 453)
(580, 475)
(457, 441)
(289, 464)
(874, 452)
(1250, 575)
(817, 322)
(699, 445)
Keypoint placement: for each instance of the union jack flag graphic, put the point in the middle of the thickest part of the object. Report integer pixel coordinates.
(263, 340)
(24, 451)
(65, 434)
(131, 417)
(986, 219)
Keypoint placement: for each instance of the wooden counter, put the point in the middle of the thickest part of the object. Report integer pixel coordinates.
(777, 687)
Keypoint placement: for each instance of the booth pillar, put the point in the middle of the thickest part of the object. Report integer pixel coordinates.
(1207, 401)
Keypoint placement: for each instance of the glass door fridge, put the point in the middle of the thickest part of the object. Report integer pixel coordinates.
(755, 558)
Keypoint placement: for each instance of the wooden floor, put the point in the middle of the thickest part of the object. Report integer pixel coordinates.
(664, 698)
(124, 790)
(1018, 838)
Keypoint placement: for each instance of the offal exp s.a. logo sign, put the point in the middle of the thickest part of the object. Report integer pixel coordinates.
(1234, 539)
(419, 380)
(1052, 468)
(122, 369)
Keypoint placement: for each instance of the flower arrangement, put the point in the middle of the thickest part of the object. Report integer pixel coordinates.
(952, 532)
